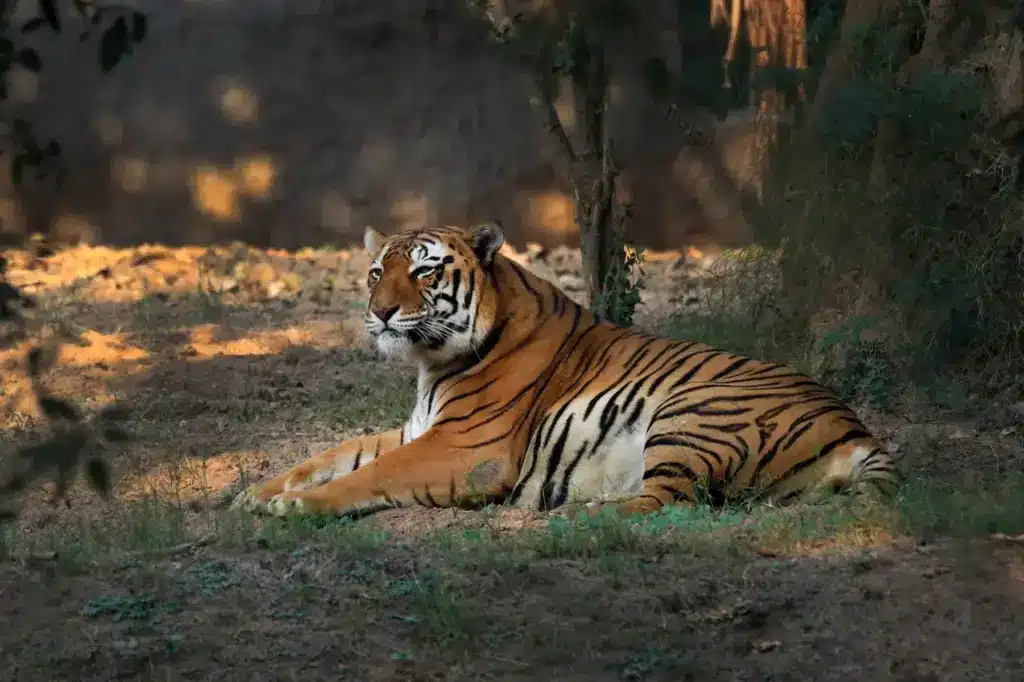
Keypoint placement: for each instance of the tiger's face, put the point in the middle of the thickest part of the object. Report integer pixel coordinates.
(430, 297)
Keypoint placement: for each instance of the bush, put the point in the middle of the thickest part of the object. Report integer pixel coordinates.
(909, 276)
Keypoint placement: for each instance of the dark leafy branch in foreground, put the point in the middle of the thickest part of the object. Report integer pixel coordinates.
(120, 28)
(76, 442)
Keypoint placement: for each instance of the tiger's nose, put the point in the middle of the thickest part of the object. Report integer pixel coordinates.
(385, 314)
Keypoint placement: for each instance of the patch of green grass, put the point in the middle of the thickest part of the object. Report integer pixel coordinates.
(146, 524)
(211, 577)
(130, 607)
(439, 609)
(608, 544)
(288, 532)
(378, 394)
(930, 507)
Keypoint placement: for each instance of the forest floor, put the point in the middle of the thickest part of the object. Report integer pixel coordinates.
(238, 362)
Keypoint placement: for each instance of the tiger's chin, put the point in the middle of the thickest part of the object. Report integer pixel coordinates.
(398, 347)
(394, 346)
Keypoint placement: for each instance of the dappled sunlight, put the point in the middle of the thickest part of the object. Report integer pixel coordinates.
(189, 285)
(206, 341)
(237, 103)
(844, 540)
(215, 193)
(101, 350)
(83, 370)
(190, 479)
(256, 175)
(129, 173)
(551, 212)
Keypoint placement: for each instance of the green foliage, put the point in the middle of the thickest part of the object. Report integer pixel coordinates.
(955, 509)
(75, 441)
(121, 29)
(857, 368)
(620, 294)
(131, 607)
(898, 227)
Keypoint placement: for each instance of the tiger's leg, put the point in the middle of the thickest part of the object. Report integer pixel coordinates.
(426, 471)
(849, 460)
(338, 461)
(675, 465)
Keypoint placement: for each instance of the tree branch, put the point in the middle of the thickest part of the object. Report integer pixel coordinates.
(545, 107)
(733, 17)
(504, 30)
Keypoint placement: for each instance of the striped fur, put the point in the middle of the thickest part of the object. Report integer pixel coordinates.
(526, 398)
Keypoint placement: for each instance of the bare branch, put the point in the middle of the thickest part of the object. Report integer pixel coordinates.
(718, 12)
(504, 29)
(544, 106)
(734, 34)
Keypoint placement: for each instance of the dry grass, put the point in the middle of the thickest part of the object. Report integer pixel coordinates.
(160, 583)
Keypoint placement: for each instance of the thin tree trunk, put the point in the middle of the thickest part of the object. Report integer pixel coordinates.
(595, 177)
(590, 170)
(777, 31)
(588, 166)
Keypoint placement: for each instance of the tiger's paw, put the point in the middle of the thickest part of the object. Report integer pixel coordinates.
(250, 500)
(573, 510)
(288, 504)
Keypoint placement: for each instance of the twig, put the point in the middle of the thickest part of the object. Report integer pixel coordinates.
(543, 105)
(540, 102)
(176, 549)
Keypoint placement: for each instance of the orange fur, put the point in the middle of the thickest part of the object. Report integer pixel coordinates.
(526, 398)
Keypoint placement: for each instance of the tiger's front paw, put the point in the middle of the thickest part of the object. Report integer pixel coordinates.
(251, 499)
(573, 510)
(288, 504)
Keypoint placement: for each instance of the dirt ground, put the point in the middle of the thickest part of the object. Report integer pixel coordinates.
(238, 362)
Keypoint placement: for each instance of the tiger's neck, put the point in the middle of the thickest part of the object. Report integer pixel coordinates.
(528, 312)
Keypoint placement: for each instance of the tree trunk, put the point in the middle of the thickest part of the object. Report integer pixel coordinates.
(594, 178)
(591, 171)
(589, 165)
(777, 31)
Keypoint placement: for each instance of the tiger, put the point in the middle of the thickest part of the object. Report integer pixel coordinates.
(526, 398)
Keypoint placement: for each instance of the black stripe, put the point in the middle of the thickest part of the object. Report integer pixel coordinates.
(547, 488)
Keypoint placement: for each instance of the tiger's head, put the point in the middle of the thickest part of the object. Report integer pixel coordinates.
(431, 296)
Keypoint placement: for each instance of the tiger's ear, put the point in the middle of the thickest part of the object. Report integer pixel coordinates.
(485, 240)
(373, 240)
